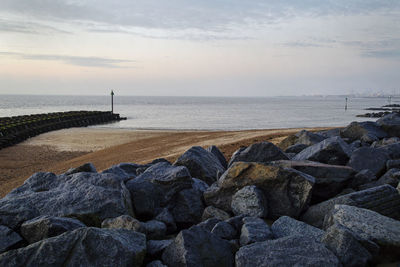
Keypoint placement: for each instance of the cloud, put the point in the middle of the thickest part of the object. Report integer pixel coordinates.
(27, 27)
(392, 54)
(98, 62)
(303, 44)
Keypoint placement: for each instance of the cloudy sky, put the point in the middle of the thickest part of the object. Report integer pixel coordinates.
(193, 47)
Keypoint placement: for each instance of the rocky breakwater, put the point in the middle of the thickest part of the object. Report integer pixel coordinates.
(317, 199)
(19, 128)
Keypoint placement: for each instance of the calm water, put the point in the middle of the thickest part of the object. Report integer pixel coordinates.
(202, 113)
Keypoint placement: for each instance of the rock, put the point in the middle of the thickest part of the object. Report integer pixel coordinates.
(259, 152)
(122, 222)
(166, 217)
(199, 185)
(346, 247)
(201, 164)
(392, 150)
(224, 230)
(249, 201)
(89, 197)
(330, 180)
(43, 227)
(386, 141)
(366, 158)
(393, 164)
(383, 199)
(9, 239)
(87, 167)
(362, 177)
(330, 133)
(254, 230)
(156, 264)
(214, 150)
(286, 226)
(209, 224)
(188, 207)
(154, 189)
(123, 175)
(198, 247)
(213, 212)
(356, 144)
(308, 138)
(82, 247)
(331, 151)
(153, 229)
(296, 148)
(366, 131)
(287, 191)
(368, 225)
(288, 141)
(391, 177)
(236, 222)
(130, 168)
(391, 124)
(286, 251)
(155, 248)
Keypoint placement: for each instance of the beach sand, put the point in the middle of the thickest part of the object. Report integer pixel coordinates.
(60, 150)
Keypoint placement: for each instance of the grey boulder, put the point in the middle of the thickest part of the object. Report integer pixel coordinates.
(333, 151)
(391, 124)
(153, 229)
(286, 251)
(214, 150)
(87, 167)
(9, 239)
(213, 212)
(155, 248)
(82, 247)
(309, 138)
(224, 230)
(122, 222)
(254, 230)
(249, 201)
(188, 207)
(259, 152)
(46, 226)
(286, 226)
(367, 131)
(296, 148)
(198, 247)
(201, 164)
(366, 158)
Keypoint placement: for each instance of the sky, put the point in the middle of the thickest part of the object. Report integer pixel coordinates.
(199, 48)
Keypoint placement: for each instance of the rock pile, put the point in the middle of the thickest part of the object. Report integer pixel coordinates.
(317, 199)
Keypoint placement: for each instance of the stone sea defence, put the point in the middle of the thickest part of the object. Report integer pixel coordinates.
(317, 199)
(19, 128)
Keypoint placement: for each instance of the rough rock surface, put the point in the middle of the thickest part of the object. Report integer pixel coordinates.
(209, 224)
(166, 217)
(393, 150)
(286, 226)
(156, 264)
(383, 199)
(214, 150)
(287, 191)
(156, 247)
(9, 239)
(309, 138)
(198, 247)
(82, 247)
(89, 197)
(155, 187)
(224, 230)
(331, 151)
(201, 164)
(46, 226)
(362, 177)
(367, 131)
(250, 201)
(153, 229)
(87, 167)
(367, 225)
(393, 164)
(254, 230)
(259, 152)
(366, 158)
(391, 124)
(188, 207)
(121, 173)
(296, 148)
(286, 251)
(213, 212)
(122, 222)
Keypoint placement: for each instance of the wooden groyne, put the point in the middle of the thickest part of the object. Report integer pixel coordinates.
(19, 128)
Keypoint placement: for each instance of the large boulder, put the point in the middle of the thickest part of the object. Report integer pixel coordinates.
(368, 225)
(46, 226)
(331, 151)
(188, 207)
(87, 167)
(224, 230)
(213, 212)
(383, 199)
(82, 247)
(153, 229)
(286, 251)
(286, 190)
(367, 158)
(156, 187)
(214, 150)
(122, 222)
(367, 131)
(9, 239)
(249, 201)
(254, 230)
(393, 150)
(259, 152)
(330, 180)
(201, 164)
(89, 197)
(198, 247)
(286, 226)
(391, 124)
(309, 138)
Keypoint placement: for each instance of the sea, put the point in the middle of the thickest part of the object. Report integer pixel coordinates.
(204, 113)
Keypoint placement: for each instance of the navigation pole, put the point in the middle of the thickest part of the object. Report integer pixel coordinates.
(112, 102)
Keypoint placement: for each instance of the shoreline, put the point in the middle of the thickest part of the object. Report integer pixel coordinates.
(57, 151)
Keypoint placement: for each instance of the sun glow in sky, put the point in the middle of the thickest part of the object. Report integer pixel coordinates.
(187, 47)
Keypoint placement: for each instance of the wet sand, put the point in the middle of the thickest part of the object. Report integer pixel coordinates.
(60, 150)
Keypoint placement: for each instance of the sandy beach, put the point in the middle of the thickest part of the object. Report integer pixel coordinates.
(60, 150)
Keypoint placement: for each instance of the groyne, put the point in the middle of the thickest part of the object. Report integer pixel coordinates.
(19, 128)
